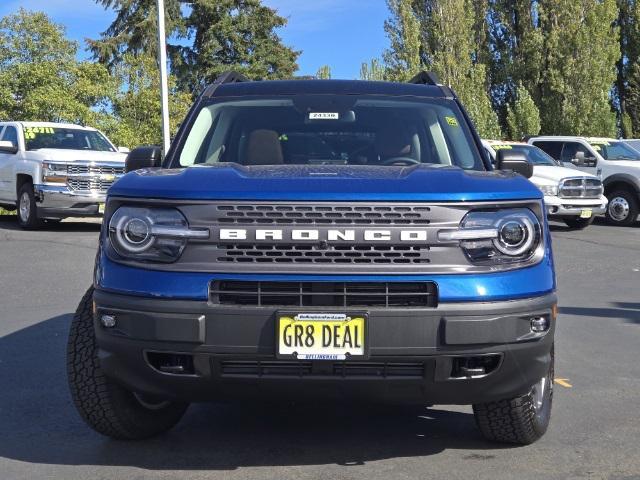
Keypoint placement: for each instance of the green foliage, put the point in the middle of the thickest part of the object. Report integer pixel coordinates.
(373, 70)
(136, 118)
(626, 85)
(523, 117)
(403, 29)
(324, 72)
(40, 78)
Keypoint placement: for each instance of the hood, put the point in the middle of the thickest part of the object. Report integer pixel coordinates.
(297, 182)
(62, 155)
(549, 174)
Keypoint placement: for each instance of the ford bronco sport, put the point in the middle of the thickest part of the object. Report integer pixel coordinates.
(334, 240)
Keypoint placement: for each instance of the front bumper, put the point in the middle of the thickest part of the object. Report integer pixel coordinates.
(58, 201)
(573, 207)
(412, 352)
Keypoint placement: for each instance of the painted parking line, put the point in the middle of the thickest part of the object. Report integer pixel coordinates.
(563, 382)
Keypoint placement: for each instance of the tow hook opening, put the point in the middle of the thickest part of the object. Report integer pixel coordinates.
(171, 363)
(475, 366)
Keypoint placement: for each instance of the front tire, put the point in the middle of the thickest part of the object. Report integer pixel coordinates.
(577, 223)
(105, 406)
(27, 209)
(520, 420)
(623, 208)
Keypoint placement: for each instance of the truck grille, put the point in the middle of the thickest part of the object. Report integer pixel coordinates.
(94, 170)
(248, 368)
(342, 214)
(90, 184)
(329, 254)
(580, 188)
(325, 294)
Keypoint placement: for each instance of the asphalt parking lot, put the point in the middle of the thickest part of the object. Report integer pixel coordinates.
(594, 432)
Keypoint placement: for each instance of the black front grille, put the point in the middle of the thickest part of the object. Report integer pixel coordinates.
(325, 294)
(309, 214)
(315, 254)
(304, 369)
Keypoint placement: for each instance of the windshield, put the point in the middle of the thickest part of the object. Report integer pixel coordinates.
(65, 138)
(331, 130)
(533, 154)
(614, 150)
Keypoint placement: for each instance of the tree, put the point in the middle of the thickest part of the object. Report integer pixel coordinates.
(402, 59)
(523, 118)
(324, 72)
(232, 35)
(136, 114)
(625, 98)
(40, 78)
(373, 70)
(580, 51)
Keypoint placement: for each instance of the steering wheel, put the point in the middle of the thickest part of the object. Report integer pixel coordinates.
(400, 160)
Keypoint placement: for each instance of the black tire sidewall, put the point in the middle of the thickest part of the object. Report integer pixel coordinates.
(32, 221)
(632, 200)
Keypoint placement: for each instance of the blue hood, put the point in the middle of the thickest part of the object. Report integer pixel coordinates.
(297, 182)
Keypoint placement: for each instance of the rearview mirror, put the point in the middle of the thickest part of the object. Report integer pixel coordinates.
(514, 161)
(143, 157)
(7, 146)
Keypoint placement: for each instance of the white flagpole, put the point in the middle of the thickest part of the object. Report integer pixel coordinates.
(164, 86)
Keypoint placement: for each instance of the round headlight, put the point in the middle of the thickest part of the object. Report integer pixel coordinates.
(133, 233)
(515, 235)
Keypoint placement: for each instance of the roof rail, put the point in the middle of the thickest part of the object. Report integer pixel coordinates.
(226, 77)
(426, 78)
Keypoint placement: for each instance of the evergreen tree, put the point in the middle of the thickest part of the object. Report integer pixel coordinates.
(402, 59)
(580, 51)
(626, 99)
(523, 117)
(373, 70)
(324, 72)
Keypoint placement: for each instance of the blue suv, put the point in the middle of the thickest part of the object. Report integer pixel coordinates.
(312, 239)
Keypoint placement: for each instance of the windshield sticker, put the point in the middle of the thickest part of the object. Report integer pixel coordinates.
(324, 116)
(502, 147)
(596, 147)
(31, 132)
(595, 144)
(452, 121)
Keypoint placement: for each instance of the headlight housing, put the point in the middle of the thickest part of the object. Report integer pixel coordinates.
(551, 190)
(150, 234)
(54, 172)
(498, 237)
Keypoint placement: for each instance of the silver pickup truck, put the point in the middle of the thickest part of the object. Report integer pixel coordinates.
(53, 170)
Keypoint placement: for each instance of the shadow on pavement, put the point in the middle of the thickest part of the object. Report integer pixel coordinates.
(630, 312)
(9, 222)
(39, 424)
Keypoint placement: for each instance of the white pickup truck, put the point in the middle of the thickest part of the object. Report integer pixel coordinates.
(615, 162)
(571, 196)
(53, 170)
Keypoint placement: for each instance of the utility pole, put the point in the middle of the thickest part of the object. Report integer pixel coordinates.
(164, 84)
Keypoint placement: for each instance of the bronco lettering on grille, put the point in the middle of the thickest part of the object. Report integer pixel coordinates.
(330, 235)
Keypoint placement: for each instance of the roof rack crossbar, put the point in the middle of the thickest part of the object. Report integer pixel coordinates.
(226, 77)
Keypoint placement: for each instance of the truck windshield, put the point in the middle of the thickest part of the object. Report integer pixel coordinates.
(330, 130)
(36, 137)
(615, 150)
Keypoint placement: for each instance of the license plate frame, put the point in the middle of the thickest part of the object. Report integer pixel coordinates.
(327, 356)
(586, 213)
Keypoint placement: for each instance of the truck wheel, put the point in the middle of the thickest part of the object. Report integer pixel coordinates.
(578, 223)
(623, 208)
(105, 406)
(521, 420)
(27, 209)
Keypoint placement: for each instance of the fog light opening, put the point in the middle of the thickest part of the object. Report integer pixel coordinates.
(107, 320)
(540, 324)
(476, 366)
(171, 363)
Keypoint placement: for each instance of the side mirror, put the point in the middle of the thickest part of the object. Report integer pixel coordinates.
(123, 150)
(514, 161)
(579, 159)
(7, 146)
(143, 157)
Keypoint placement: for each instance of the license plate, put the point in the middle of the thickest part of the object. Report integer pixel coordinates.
(586, 213)
(101, 208)
(321, 336)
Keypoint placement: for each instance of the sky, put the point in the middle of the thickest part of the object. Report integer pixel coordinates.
(338, 33)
